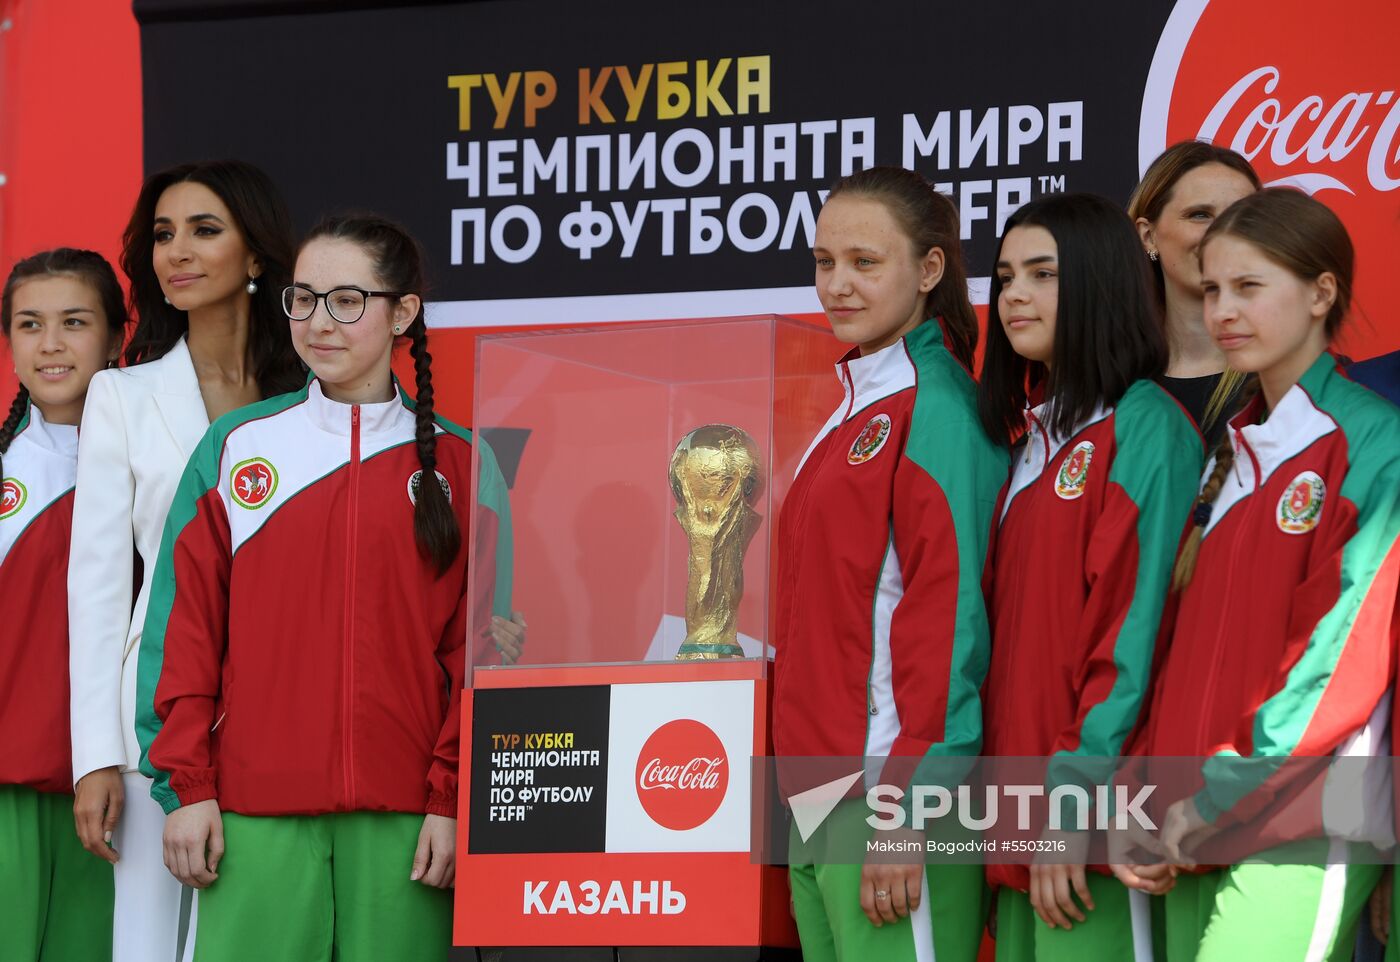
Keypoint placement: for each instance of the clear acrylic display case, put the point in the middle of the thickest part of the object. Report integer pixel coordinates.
(583, 423)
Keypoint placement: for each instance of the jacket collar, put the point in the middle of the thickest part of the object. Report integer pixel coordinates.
(1293, 424)
(1041, 434)
(867, 378)
(177, 396)
(60, 439)
(176, 370)
(385, 417)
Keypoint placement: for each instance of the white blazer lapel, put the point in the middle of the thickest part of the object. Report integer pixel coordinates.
(181, 405)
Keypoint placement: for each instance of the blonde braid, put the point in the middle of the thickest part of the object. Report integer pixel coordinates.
(1200, 516)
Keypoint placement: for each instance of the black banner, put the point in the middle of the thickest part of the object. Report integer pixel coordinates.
(539, 771)
(543, 149)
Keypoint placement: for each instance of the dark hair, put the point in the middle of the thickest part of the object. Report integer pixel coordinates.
(398, 262)
(89, 267)
(1298, 233)
(262, 219)
(1108, 329)
(930, 220)
(1151, 197)
(1304, 237)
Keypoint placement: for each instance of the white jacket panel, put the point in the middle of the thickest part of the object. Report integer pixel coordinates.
(140, 425)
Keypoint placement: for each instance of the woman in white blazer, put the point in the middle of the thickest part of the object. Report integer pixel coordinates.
(207, 252)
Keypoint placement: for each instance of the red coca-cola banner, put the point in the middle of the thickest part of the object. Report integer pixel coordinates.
(1309, 96)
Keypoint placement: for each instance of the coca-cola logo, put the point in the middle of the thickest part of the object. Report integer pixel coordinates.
(682, 774)
(1317, 109)
(1307, 138)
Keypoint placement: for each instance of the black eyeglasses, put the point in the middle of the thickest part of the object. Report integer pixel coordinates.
(345, 304)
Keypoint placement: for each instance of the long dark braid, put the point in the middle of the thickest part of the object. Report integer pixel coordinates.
(434, 525)
(398, 260)
(11, 425)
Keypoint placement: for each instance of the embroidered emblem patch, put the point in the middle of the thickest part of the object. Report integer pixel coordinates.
(416, 478)
(253, 482)
(13, 495)
(1300, 508)
(870, 440)
(1074, 471)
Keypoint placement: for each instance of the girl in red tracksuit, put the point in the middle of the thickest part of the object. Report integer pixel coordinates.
(1282, 646)
(1101, 485)
(306, 642)
(881, 628)
(63, 317)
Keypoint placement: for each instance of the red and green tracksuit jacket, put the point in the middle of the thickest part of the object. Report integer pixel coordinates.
(1081, 564)
(36, 521)
(1283, 641)
(300, 656)
(881, 628)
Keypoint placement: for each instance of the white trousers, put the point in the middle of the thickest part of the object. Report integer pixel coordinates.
(153, 912)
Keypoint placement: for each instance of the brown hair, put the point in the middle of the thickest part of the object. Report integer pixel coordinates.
(929, 220)
(398, 260)
(1154, 191)
(89, 267)
(1299, 234)
(1151, 197)
(1304, 237)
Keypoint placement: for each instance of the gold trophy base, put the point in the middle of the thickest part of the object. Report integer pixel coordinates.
(701, 652)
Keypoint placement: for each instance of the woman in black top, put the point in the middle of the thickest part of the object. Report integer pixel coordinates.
(1181, 193)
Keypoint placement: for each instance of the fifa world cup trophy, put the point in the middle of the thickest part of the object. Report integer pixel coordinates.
(716, 479)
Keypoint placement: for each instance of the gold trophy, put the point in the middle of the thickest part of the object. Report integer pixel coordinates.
(716, 479)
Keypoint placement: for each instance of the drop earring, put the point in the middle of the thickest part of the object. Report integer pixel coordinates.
(252, 286)
(1152, 254)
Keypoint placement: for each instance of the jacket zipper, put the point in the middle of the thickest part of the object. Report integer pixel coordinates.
(848, 383)
(1218, 648)
(870, 707)
(353, 504)
(799, 507)
(1032, 424)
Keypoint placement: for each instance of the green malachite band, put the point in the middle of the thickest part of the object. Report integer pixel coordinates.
(689, 649)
